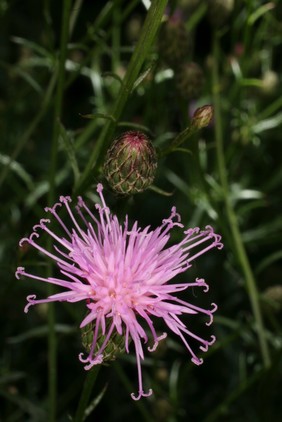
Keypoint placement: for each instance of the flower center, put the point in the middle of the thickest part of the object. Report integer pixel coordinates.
(112, 293)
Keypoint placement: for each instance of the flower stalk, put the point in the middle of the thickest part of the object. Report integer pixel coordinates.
(147, 36)
(231, 216)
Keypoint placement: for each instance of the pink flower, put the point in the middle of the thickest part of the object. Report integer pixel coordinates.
(123, 276)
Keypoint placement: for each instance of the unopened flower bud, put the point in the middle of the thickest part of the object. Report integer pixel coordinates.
(202, 117)
(162, 410)
(114, 347)
(270, 82)
(174, 42)
(130, 163)
(134, 28)
(189, 80)
(188, 5)
(219, 11)
(273, 295)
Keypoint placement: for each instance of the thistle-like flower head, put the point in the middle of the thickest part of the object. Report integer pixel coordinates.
(131, 163)
(124, 275)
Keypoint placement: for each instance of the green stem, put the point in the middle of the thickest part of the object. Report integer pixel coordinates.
(180, 138)
(140, 404)
(141, 51)
(52, 345)
(231, 216)
(74, 15)
(86, 392)
(116, 33)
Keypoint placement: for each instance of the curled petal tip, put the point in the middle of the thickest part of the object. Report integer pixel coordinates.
(191, 231)
(80, 201)
(65, 199)
(19, 272)
(175, 214)
(24, 239)
(212, 340)
(208, 323)
(201, 282)
(214, 307)
(34, 234)
(209, 228)
(81, 358)
(197, 361)
(31, 301)
(141, 394)
(52, 210)
(99, 187)
(155, 345)
(44, 220)
(26, 308)
(41, 224)
(204, 348)
(96, 361)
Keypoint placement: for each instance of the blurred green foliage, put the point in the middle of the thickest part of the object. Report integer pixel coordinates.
(235, 382)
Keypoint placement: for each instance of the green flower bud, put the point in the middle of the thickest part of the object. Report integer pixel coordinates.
(202, 117)
(189, 80)
(130, 163)
(273, 296)
(219, 11)
(270, 82)
(188, 5)
(114, 347)
(174, 42)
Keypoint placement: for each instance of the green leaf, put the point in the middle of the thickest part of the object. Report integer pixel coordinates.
(141, 78)
(41, 332)
(98, 115)
(160, 191)
(268, 124)
(32, 46)
(18, 169)
(68, 145)
(260, 11)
